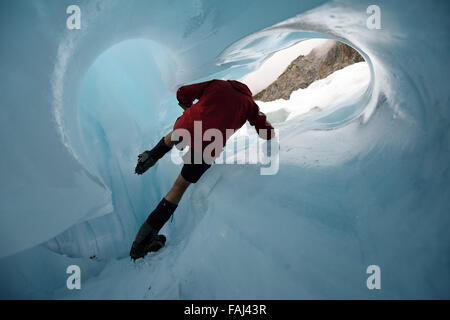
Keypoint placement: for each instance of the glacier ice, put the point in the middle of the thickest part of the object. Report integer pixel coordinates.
(361, 183)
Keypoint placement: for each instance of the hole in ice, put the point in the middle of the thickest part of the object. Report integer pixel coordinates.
(122, 110)
(307, 78)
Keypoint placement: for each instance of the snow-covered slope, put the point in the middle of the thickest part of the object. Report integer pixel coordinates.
(359, 184)
(334, 90)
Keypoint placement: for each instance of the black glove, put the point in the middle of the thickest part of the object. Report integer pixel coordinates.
(145, 162)
(147, 159)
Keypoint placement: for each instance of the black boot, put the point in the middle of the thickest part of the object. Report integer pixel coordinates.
(147, 159)
(147, 239)
(161, 214)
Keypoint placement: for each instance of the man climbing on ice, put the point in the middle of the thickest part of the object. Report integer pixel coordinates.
(223, 106)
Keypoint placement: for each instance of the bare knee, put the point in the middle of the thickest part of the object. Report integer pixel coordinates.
(178, 189)
(181, 183)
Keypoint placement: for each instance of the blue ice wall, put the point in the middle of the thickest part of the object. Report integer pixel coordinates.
(365, 183)
(122, 98)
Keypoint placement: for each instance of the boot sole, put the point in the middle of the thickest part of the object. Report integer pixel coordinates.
(156, 244)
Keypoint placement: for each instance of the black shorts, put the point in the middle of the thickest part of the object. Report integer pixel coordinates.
(192, 172)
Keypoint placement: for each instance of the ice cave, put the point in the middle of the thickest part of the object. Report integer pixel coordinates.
(362, 182)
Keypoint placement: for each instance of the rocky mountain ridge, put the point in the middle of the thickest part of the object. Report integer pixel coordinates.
(304, 70)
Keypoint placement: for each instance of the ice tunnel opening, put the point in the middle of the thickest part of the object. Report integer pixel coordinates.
(302, 82)
(309, 78)
(126, 103)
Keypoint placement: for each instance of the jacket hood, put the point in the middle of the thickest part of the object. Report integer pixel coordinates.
(242, 88)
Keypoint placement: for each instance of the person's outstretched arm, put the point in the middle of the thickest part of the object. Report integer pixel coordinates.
(187, 94)
(259, 120)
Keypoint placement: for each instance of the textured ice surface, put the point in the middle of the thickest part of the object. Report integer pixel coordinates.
(359, 184)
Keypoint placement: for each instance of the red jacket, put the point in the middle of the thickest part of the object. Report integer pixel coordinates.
(222, 104)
